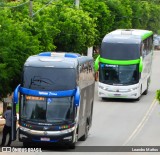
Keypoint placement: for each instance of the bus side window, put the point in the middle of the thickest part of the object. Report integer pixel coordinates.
(141, 49)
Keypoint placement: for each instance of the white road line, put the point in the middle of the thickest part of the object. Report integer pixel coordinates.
(142, 123)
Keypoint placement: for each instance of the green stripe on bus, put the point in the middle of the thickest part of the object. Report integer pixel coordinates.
(146, 35)
(119, 62)
(96, 64)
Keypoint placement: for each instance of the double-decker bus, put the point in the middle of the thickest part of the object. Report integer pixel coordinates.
(124, 64)
(55, 99)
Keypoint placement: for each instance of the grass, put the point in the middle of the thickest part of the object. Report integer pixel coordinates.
(17, 108)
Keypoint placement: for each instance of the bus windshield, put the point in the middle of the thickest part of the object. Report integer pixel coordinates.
(117, 51)
(119, 74)
(49, 78)
(48, 110)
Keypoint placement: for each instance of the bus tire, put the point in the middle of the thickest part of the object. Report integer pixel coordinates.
(103, 98)
(72, 146)
(26, 144)
(138, 98)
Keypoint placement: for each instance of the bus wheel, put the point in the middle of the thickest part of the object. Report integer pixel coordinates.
(72, 146)
(103, 98)
(84, 137)
(26, 144)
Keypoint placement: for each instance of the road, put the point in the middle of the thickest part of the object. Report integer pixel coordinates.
(133, 123)
(126, 122)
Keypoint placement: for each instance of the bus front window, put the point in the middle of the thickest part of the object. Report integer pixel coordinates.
(119, 74)
(50, 110)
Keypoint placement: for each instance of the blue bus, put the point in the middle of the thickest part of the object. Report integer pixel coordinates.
(55, 99)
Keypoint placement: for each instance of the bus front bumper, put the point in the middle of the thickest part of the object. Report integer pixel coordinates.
(54, 137)
(131, 92)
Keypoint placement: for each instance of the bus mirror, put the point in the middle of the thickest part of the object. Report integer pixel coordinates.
(141, 65)
(96, 64)
(15, 95)
(77, 97)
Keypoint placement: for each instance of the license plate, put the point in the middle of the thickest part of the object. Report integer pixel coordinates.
(45, 139)
(117, 94)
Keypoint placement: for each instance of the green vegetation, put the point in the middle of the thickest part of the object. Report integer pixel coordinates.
(57, 25)
(17, 108)
(158, 95)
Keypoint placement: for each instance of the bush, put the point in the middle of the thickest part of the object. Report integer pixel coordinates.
(158, 95)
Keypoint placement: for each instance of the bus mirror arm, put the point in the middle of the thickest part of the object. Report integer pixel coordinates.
(141, 65)
(96, 65)
(77, 97)
(15, 95)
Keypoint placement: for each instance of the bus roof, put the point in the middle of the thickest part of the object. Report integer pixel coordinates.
(127, 35)
(56, 61)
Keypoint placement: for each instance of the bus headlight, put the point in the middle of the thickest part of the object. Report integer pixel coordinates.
(133, 88)
(104, 88)
(68, 138)
(68, 130)
(24, 129)
(22, 136)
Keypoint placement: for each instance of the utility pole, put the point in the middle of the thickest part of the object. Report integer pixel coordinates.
(31, 8)
(77, 3)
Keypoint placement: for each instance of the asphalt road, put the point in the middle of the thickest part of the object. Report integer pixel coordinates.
(126, 122)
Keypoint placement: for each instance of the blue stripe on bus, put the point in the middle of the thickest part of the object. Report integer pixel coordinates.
(68, 55)
(71, 55)
(47, 93)
(45, 54)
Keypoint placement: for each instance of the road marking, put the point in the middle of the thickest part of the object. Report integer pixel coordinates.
(142, 123)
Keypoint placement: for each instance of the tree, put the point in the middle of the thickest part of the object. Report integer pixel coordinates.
(60, 26)
(99, 11)
(154, 20)
(15, 46)
(121, 12)
(75, 29)
(54, 28)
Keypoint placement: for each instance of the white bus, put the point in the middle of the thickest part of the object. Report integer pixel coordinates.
(124, 64)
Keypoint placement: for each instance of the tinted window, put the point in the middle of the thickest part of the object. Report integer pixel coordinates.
(42, 109)
(120, 51)
(39, 78)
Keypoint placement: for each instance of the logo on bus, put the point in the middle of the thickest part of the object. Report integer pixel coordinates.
(51, 93)
(45, 133)
(43, 93)
(45, 128)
